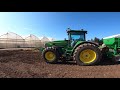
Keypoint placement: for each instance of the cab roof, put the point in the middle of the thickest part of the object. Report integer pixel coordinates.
(68, 31)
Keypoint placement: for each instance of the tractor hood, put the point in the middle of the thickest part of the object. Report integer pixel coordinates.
(57, 43)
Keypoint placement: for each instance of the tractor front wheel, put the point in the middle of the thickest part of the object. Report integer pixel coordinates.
(87, 54)
(50, 55)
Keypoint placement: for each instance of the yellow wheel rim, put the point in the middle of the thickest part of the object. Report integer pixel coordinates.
(50, 56)
(87, 56)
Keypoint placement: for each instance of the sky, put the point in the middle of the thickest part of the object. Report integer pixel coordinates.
(55, 24)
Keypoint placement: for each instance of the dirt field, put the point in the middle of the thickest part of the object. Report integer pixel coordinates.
(28, 64)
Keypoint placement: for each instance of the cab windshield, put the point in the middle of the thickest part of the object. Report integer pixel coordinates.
(77, 36)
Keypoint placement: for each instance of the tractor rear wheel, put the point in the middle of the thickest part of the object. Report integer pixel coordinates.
(50, 55)
(87, 54)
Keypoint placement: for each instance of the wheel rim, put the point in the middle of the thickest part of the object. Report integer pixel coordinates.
(87, 56)
(50, 56)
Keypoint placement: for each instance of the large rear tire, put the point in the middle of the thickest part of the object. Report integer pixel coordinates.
(50, 55)
(87, 54)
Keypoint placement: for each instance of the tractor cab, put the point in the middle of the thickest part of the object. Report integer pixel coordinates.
(76, 35)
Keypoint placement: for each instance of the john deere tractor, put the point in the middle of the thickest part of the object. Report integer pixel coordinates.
(76, 48)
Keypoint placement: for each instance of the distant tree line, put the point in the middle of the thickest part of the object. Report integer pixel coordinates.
(97, 40)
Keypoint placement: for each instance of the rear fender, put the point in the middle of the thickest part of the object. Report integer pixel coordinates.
(80, 43)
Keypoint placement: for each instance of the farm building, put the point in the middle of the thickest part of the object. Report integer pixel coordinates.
(32, 41)
(11, 40)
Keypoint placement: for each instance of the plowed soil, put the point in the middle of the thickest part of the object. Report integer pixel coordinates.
(28, 64)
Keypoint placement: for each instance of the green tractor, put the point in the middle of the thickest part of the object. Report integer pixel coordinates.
(76, 48)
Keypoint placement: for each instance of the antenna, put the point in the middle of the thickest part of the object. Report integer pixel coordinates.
(82, 29)
(68, 29)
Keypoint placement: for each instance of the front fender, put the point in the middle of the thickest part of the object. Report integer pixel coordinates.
(41, 49)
